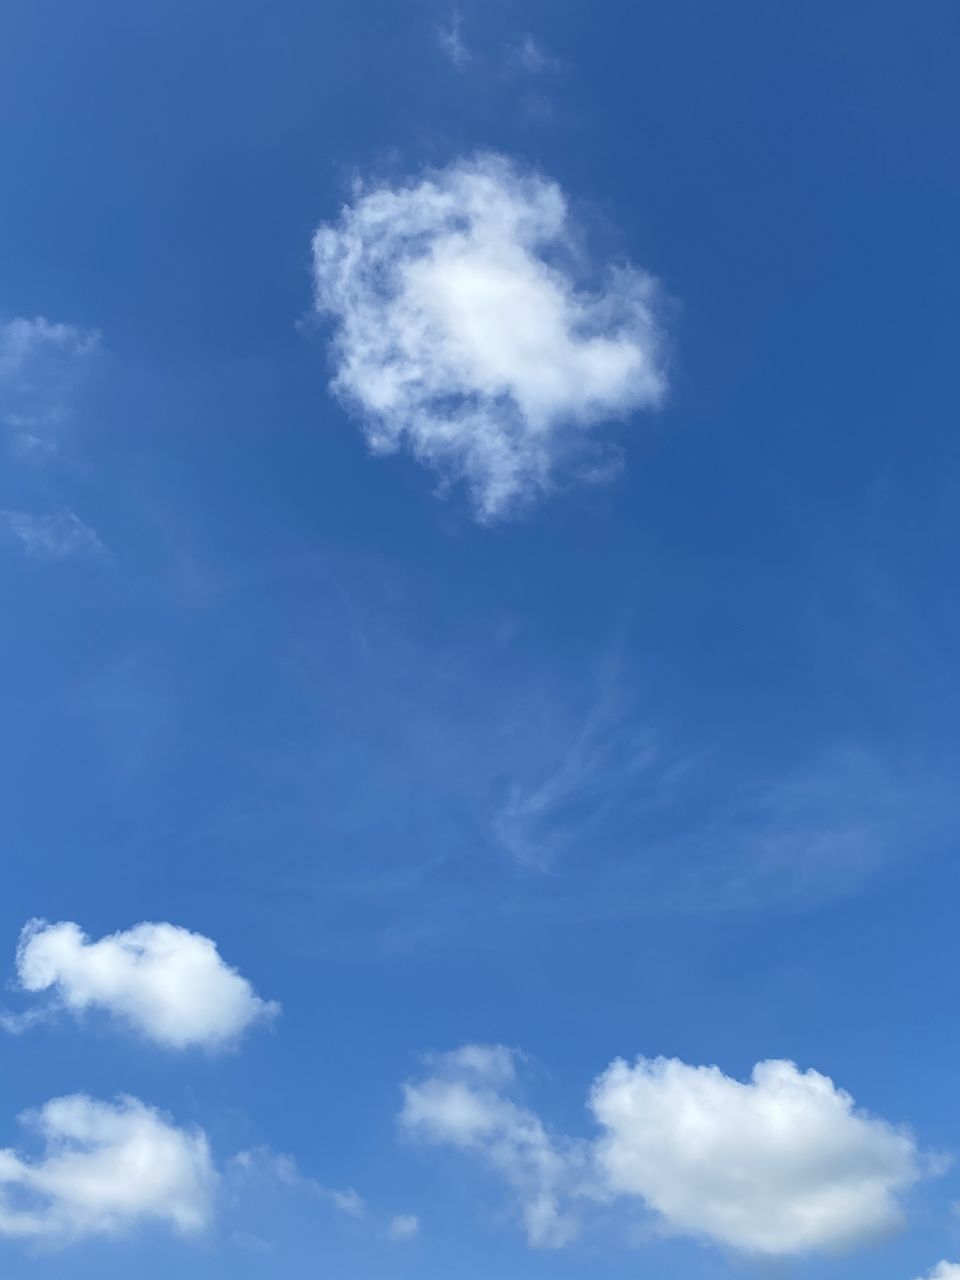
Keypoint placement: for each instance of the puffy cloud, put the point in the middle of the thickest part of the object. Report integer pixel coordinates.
(466, 329)
(782, 1164)
(460, 1105)
(403, 1226)
(105, 1169)
(40, 362)
(532, 57)
(58, 536)
(450, 37)
(166, 982)
(944, 1271)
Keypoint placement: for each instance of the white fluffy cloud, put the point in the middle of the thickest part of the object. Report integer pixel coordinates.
(944, 1271)
(468, 329)
(783, 1164)
(57, 536)
(460, 1104)
(166, 982)
(105, 1168)
(779, 1165)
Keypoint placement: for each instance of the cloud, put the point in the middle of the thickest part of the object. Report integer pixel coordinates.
(469, 329)
(460, 1105)
(450, 37)
(169, 984)
(651, 821)
(60, 536)
(597, 765)
(783, 1164)
(531, 56)
(403, 1226)
(105, 1169)
(264, 1163)
(40, 365)
(944, 1271)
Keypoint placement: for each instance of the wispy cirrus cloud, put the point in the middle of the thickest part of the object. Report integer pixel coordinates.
(58, 535)
(471, 328)
(531, 56)
(451, 41)
(41, 365)
(660, 822)
(262, 1163)
(262, 1168)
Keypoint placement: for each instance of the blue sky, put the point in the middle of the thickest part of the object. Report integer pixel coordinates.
(479, 523)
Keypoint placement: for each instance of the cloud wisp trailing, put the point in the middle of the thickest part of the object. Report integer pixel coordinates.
(451, 41)
(260, 1168)
(263, 1164)
(40, 365)
(59, 535)
(403, 1227)
(168, 984)
(469, 328)
(782, 1164)
(106, 1168)
(464, 1103)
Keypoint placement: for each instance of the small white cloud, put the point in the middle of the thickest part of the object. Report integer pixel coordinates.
(944, 1271)
(106, 1168)
(460, 1106)
(169, 984)
(60, 536)
(403, 1226)
(40, 363)
(470, 330)
(783, 1164)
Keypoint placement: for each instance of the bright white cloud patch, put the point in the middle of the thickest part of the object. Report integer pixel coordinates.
(470, 330)
(460, 1104)
(105, 1168)
(944, 1271)
(58, 536)
(166, 982)
(782, 1164)
(40, 362)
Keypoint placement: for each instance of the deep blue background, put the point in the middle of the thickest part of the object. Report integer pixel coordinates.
(289, 710)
